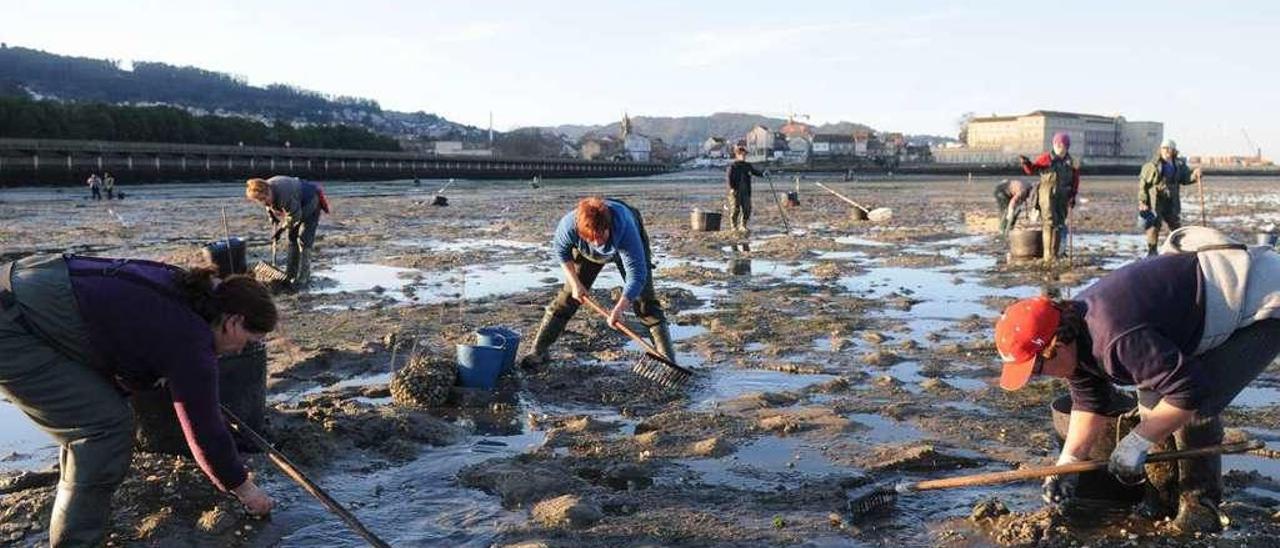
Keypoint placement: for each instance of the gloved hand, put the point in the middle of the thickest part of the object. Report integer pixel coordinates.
(1059, 489)
(1129, 459)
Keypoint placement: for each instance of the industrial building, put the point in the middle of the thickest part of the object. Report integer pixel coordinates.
(1095, 139)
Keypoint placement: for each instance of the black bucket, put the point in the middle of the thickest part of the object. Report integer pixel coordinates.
(704, 221)
(1101, 485)
(440, 201)
(227, 255)
(242, 386)
(793, 199)
(1026, 243)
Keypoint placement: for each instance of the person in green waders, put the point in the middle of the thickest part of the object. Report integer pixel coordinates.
(1158, 192)
(1059, 184)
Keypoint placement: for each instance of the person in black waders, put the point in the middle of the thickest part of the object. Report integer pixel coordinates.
(738, 178)
(77, 334)
(1190, 328)
(599, 231)
(294, 206)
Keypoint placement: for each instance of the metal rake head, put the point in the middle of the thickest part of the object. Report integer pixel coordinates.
(870, 499)
(661, 371)
(266, 273)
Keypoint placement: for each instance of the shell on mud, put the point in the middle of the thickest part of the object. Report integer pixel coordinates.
(425, 382)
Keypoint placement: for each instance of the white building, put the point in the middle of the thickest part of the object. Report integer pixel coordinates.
(1096, 139)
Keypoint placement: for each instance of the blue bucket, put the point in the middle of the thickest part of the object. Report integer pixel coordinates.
(501, 336)
(480, 366)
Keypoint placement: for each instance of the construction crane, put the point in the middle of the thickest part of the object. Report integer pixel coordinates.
(1253, 147)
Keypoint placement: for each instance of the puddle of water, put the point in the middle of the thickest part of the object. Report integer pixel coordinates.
(23, 446)
(941, 296)
(885, 430)
(726, 384)
(968, 407)
(417, 504)
(1257, 396)
(481, 281)
(763, 464)
(858, 240)
(430, 244)
(909, 373)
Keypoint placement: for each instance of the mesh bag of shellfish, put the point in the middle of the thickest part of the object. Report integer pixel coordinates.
(424, 382)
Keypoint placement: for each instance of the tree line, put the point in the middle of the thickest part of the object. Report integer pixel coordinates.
(97, 80)
(30, 119)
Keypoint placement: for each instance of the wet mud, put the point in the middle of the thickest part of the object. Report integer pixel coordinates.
(835, 356)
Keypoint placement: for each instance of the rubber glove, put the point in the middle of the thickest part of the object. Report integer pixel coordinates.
(1059, 489)
(1129, 459)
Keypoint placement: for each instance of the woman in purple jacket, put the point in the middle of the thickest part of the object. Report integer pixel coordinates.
(78, 333)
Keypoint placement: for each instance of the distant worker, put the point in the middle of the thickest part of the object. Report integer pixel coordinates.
(294, 206)
(78, 333)
(95, 186)
(1158, 199)
(1190, 330)
(109, 183)
(599, 231)
(1013, 197)
(1059, 185)
(738, 178)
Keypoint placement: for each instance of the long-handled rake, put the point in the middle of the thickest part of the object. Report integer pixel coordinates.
(869, 499)
(878, 215)
(652, 365)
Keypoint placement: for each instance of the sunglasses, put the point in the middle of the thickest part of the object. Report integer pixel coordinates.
(1050, 352)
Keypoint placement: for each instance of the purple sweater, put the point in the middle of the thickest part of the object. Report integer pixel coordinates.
(1145, 320)
(141, 331)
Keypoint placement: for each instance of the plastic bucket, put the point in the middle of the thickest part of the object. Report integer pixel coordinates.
(242, 387)
(1026, 243)
(503, 337)
(858, 214)
(704, 221)
(1101, 485)
(793, 199)
(227, 255)
(480, 366)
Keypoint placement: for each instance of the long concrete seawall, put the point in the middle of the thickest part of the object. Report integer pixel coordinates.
(49, 162)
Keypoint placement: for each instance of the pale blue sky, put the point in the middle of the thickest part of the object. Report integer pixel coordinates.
(1205, 69)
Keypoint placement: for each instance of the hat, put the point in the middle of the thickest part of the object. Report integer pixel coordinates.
(1024, 330)
(1169, 144)
(1062, 137)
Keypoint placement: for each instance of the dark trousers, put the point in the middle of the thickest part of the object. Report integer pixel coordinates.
(739, 209)
(1231, 366)
(1167, 213)
(1003, 197)
(95, 192)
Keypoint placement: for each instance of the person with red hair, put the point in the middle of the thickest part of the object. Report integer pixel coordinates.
(597, 232)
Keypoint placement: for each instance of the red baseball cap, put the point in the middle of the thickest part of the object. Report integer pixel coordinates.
(1024, 330)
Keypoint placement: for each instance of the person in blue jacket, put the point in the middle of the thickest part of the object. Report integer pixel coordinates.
(597, 232)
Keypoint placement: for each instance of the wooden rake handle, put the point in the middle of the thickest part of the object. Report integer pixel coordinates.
(624, 329)
(842, 197)
(1073, 468)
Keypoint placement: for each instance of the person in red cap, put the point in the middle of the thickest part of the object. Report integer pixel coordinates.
(1189, 329)
(1059, 184)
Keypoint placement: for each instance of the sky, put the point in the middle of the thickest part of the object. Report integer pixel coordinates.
(1208, 70)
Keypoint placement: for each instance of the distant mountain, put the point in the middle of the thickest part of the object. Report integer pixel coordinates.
(693, 130)
(41, 75)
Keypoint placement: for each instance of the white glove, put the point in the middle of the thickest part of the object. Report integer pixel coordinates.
(1129, 459)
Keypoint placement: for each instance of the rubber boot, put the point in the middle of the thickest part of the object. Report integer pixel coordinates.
(548, 331)
(1160, 496)
(81, 515)
(1199, 480)
(662, 342)
(291, 269)
(1153, 241)
(1049, 239)
(304, 268)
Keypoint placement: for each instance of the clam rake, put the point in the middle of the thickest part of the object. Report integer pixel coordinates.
(873, 498)
(652, 365)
